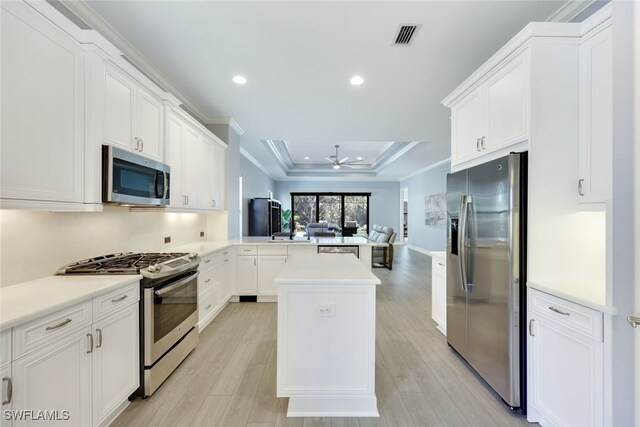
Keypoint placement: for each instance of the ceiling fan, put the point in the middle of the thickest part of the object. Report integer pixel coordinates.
(337, 164)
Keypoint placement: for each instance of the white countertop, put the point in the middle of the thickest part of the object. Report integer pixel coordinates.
(29, 300)
(202, 248)
(325, 269)
(438, 254)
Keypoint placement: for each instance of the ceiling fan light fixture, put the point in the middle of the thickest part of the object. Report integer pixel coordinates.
(356, 80)
(239, 80)
(336, 166)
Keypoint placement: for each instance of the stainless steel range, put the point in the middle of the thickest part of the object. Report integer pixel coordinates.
(168, 307)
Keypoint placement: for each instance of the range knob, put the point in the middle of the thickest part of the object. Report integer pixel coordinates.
(192, 255)
(155, 267)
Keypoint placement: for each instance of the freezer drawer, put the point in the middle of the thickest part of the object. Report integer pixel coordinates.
(340, 249)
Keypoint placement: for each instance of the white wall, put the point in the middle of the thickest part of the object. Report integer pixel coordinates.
(432, 181)
(384, 204)
(255, 183)
(36, 244)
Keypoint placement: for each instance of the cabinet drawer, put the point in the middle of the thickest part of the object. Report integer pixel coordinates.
(115, 300)
(301, 248)
(209, 303)
(5, 347)
(40, 332)
(568, 314)
(208, 279)
(439, 266)
(210, 261)
(247, 250)
(274, 249)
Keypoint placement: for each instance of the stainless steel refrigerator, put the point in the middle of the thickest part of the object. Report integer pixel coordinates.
(486, 272)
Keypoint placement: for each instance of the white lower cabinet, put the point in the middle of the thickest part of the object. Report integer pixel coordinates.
(268, 268)
(439, 293)
(214, 288)
(6, 395)
(247, 275)
(116, 362)
(565, 363)
(56, 377)
(75, 370)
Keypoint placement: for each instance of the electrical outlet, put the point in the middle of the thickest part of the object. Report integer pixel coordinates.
(202, 234)
(326, 310)
(167, 239)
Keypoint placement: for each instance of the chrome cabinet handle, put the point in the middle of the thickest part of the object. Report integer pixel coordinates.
(208, 307)
(207, 261)
(478, 144)
(441, 264)
(90, 350)
(9, 390)
(482, 143)
(254, 262)
(141, 144)
(531, 328)
(99, 332)
(634, 321)
(207, 281)
(225, 252)
(226, 260)
(187, 199)
(580, 182)
(59, 325)
(122, 298)
(555, 310)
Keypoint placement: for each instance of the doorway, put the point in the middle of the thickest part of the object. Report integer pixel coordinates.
(404, 213)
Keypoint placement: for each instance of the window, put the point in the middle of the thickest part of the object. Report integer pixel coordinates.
(334, 209)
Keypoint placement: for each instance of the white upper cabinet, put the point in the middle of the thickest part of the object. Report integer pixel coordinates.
(492, 117)
(596, 112)
(42, 154)
(220, 177)
(205, 176)
(132, 116)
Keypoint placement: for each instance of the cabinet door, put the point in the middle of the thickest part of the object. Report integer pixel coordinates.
(225, 280)
(7, 383)
(189, 166)
(42, 112)
(467, 126)
(507, 102)
(219, 177)
(205, 168)
(246, 275)
(57, 377)
(268, 268)
(115, 362)
(439, 301)
(175, 132)
(596, 112)
(119, 109)
(567, 378)
(150, 119)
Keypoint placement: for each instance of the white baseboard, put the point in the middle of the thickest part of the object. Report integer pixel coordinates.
(419, 249)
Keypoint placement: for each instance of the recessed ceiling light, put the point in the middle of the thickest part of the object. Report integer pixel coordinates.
(336, 166)
(356, 80)
(239, 80)
(306, 158)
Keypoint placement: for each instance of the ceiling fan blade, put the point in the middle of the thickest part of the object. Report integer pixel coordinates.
(352, 162)
(344, 160)
(346, 165)
(329, 160)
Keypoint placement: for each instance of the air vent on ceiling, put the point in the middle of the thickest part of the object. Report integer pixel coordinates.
(405, 34)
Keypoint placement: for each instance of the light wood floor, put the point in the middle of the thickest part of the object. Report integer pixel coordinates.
(230, 379)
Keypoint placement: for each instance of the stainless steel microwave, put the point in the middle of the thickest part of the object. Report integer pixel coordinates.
(129, 178)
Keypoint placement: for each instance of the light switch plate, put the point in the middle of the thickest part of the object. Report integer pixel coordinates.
(326, 310)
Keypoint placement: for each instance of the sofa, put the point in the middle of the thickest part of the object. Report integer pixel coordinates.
(313, 228)
(382, 256)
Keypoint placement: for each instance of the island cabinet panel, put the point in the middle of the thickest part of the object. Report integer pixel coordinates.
(268, 269)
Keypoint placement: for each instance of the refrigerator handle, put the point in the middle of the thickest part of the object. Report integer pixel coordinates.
(462, 259)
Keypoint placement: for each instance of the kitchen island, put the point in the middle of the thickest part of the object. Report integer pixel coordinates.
(326, 336)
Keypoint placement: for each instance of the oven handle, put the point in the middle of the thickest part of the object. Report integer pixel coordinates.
(176, 285)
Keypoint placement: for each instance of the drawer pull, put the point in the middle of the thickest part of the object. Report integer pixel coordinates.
(441, 264)
(531, 328)
(207, 261)
(90, 343)
(225, 252)
(59, 325)
(207, 281)
(226, 260)
(208, 307)
(122, 298)
(555, 310)
(99, 332)
(9, 390)
(634, 322)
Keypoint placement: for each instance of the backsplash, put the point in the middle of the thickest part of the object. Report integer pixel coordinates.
(36, 244)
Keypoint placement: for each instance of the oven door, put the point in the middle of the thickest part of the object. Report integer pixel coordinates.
(133, 179)
(170, 311)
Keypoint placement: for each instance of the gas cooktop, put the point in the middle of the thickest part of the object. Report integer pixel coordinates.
(124, 263)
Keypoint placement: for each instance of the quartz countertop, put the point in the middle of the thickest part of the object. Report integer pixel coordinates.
(324, 269)
(26, 301)
(576, 295)
(438, 254)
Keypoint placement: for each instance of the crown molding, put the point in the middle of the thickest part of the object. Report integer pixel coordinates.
(253, 160)
(428, 168)
(225, 121)
(86, 13)
(570, 10)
